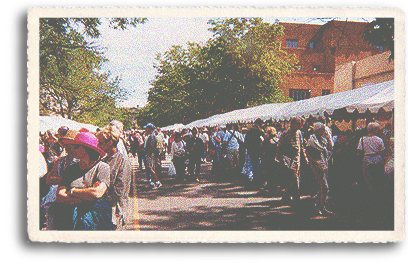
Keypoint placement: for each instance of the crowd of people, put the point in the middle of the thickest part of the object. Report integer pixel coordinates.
(86, 177)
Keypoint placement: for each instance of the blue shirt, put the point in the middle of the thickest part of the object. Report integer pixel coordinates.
(233, 142)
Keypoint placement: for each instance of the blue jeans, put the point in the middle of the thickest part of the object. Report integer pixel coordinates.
(215, 168)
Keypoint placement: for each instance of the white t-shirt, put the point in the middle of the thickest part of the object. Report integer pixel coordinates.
(204, 137)
(372, 145)
(43, 165)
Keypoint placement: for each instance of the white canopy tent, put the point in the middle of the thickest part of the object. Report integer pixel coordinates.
(371, 97)
(55, 122)
(174, 127)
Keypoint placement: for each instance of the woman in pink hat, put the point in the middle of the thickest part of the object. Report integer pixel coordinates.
(81, 200)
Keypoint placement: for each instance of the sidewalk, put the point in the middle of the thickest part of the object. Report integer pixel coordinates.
(225, 205)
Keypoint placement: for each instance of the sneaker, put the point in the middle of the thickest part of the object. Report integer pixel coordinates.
(157, 185)
(327, 212)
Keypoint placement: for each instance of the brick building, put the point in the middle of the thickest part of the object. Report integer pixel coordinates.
(320, 48)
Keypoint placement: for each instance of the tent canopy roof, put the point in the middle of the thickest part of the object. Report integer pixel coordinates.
(371, 97)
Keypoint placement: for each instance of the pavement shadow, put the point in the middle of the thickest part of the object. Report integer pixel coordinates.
(256, 210)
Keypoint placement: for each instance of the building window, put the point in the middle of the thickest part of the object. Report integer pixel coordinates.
(299, 94)
(325, 92)
(292, 43)
(311, 45)
(316, 68)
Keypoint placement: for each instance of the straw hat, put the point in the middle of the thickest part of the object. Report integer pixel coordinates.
(85, 139)
(69, 135)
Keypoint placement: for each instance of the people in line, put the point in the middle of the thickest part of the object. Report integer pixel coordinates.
(86, 181)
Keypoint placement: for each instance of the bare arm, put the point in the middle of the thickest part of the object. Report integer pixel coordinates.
(64, 197)
(91, 193)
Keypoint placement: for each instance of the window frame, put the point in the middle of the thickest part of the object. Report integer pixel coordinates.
(299, 94)
(290, 43)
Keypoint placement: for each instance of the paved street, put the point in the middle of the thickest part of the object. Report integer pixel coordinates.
(229, 205)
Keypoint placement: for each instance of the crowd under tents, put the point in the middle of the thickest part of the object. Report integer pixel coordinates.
(55, 122)
(375, 98)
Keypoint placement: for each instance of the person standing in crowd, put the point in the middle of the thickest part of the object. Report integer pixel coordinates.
(374, 182)
(178, 152)
(279, 130)
(122, 143)
(141, 154)
(195, 151)
(372, 148)
(152, 156)
(318, 147)
(49, 184)
(120, 173)
(242, 149)
(216, 144)
(204, 136)
(232, 141)
(288, 156)
(81, 199)
(52, 149)
(269, 146)
(161, 147)
(253, 145)
(133, 143)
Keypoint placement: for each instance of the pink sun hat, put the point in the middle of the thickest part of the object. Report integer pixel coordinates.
(86, 139)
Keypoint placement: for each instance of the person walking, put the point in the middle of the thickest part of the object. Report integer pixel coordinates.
(152, 156)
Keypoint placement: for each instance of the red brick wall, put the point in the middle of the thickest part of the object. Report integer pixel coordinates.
(334, 43)
(315, 82)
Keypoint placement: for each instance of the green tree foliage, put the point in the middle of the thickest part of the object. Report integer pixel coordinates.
(71, 81)
(242, 65)
(380, 32)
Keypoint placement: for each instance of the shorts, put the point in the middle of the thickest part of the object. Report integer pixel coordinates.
(152, 162)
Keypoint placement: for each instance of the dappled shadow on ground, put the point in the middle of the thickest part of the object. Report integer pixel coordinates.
(227, 204)
(271, 215)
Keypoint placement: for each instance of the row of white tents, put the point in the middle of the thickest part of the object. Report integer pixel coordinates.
(370, 97)
(55, 122)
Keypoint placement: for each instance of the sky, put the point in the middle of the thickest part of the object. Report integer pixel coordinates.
(132, 52)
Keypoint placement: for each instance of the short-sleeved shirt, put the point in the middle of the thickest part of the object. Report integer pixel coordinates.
(232, 138)
(120, 176)
(74, 176)
(220, 135)
(253, 141)
(372, 145)
(151, 144)
(204, 137)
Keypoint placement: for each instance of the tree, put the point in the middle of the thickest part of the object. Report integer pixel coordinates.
(71, 81)
(240, 66)
(380, 32)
